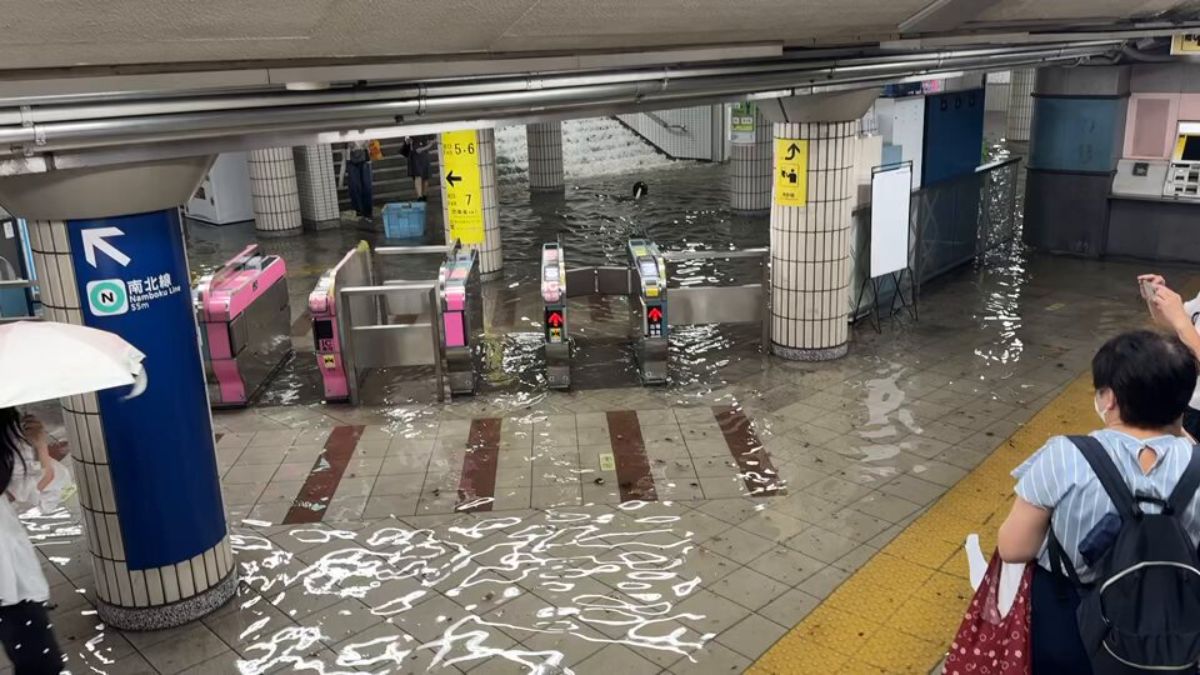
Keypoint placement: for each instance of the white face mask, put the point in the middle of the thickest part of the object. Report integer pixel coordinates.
(1099, 410)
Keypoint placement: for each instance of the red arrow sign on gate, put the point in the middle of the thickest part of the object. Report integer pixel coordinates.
(655, 314)
(554, 319)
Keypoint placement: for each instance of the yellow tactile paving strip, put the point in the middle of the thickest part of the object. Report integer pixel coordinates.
(899, 611)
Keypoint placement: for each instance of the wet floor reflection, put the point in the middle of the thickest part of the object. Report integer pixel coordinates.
(521, 588)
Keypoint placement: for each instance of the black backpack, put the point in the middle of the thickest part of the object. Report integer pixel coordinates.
(1143, 612)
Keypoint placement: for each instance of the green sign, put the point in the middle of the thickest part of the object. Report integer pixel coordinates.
(742, 122)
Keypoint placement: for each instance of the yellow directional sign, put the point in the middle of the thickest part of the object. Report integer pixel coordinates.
(791, 172)
(461, 186)
(1185, 43)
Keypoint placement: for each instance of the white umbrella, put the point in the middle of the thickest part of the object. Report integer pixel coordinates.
(43, 360)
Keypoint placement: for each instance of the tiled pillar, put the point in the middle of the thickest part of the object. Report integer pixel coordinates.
(750, 171)
(810, 247)
(317, 186)
(491, 259)
(1020, 104)
(545, 155)
(275, 193)
(154, 518)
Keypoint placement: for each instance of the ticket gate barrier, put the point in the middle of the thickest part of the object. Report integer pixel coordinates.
(245, 325)
(361, 324)
(745, 303)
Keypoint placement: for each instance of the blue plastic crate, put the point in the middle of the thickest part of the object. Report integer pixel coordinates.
(404, 220)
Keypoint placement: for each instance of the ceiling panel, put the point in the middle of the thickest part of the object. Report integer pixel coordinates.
(54, 33)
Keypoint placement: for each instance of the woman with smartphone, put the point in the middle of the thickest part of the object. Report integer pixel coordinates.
(1169, 311)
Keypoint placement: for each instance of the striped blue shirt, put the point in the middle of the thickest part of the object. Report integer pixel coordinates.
(1058, 477)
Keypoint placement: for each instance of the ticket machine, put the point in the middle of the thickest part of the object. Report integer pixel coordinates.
(245, 325)
(556, 331)
(648, 304)
(1182, 180)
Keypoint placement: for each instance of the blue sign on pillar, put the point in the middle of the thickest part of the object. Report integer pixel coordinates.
(132, 277)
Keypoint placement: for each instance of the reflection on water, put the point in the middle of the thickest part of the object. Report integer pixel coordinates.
(580, 575)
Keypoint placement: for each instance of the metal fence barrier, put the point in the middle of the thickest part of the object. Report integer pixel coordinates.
(951, 222)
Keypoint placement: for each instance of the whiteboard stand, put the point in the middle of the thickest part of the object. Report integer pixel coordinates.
(888, 245)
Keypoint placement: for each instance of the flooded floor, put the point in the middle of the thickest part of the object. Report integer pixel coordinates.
(612, 528)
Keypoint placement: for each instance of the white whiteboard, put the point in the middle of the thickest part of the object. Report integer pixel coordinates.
(891, 193)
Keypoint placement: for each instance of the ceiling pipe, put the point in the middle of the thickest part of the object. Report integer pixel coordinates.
(329, 116)
(31, 112)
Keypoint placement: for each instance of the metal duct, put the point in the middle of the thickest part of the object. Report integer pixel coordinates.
(44, 128)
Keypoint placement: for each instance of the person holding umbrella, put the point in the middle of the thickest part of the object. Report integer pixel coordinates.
(43, 361)
(26, 470)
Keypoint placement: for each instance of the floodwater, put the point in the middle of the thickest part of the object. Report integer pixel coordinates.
(594, 218)
(538, 591)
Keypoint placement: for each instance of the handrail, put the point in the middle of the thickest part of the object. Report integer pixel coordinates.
(413, 250)
(665, 124)
(377, 290)
(17, 283)
(678, 256)
(983, 168)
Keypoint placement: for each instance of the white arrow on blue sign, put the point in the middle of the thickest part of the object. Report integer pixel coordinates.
(96, 239)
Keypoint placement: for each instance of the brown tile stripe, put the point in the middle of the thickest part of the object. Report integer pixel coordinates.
(477, 487)
(326, 474)
(754, 464)
(629, 453)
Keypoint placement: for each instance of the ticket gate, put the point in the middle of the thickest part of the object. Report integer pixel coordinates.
(362, 323)
(557, 334)
(645, 281)
(245, 325)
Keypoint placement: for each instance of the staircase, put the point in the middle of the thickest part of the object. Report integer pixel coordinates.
(389, 176)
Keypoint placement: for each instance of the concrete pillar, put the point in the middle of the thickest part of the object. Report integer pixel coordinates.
(146, 467)
(274, 191)
(545, 155)
(810, 242)
(317, 186)
(491, 259)
(750, 170)
(1073, 151)
(1020, 104)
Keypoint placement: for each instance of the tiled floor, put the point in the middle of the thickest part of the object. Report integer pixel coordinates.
(632, 530)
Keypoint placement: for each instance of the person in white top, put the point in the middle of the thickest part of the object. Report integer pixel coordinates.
(26, 469)
(1169, 311)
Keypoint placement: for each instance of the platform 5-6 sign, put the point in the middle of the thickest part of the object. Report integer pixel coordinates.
(462, 187)
(1185, 43)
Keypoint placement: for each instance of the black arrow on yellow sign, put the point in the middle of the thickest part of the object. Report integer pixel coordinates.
(452, 179)
(792, 150)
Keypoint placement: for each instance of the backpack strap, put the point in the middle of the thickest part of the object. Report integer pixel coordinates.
(1185, 489)
(1061, 566)
(1108, 473)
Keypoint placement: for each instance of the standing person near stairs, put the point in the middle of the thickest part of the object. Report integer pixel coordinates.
(419, 164)
(358, 170)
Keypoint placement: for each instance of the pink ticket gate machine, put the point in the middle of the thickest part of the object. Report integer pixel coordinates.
(460, 293)
(361, 324)
(245, 325)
